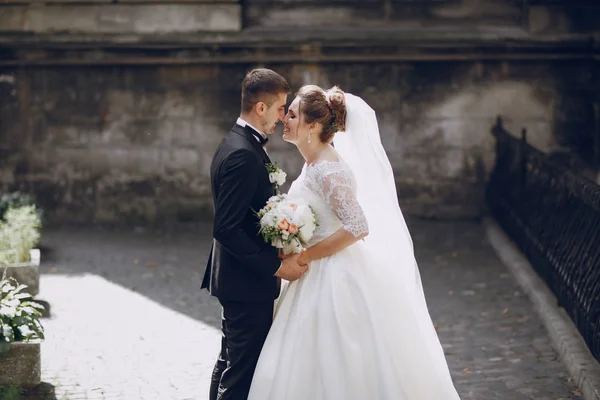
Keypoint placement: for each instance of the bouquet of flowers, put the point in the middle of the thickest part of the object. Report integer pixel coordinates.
(288, 224)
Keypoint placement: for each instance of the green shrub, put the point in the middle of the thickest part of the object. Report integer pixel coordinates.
(14, 200)
(19, 233)
(19, 315)
(10, 392)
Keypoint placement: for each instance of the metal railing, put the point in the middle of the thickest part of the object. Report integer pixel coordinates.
(553, 215)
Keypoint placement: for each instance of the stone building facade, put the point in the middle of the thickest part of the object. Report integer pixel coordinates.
(110, 111)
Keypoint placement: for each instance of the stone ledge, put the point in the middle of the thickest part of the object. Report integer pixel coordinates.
(279, 36)
(580, 363)
(271, 46)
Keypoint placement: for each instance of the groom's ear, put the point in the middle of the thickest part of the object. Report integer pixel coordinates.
(260, 108)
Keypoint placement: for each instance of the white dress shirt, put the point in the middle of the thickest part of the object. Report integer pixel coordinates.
(243, 123)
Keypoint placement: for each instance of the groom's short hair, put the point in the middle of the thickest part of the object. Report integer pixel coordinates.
(264, 85)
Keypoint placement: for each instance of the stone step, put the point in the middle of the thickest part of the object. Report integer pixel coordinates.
(26, 273)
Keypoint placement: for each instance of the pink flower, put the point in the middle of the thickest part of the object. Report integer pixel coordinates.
(283, 225)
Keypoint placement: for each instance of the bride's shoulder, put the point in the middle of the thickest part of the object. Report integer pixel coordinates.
(324, 169)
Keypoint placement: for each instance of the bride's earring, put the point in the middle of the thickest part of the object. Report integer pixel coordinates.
(309, 134)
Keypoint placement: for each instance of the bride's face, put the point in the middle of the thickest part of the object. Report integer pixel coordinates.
(295, 130)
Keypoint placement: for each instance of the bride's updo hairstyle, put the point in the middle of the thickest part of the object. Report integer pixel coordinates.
(325, 107)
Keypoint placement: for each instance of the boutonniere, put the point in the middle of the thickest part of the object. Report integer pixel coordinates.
(276, 175)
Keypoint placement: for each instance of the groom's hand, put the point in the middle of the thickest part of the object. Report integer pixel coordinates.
(290, 270)
(283, 256)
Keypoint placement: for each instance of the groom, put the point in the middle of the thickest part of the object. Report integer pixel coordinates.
(243, 271)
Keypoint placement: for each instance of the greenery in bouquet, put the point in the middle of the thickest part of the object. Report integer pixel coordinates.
(19, 233)
(19, 315)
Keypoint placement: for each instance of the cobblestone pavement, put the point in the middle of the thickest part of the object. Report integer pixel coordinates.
(128, 320)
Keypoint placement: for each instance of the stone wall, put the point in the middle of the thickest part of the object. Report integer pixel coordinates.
(110, 110)
(133, 144)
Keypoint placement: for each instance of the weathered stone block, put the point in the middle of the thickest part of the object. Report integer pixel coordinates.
(384, 100)
(487, 101)
(26, 273)
(541, 19)
(321, 15)
(177, 105)
(207, 133)
(119, 18)
(64, 134)
(407, 14)
(177, 132)
(21, 365)
(497, 10)
(181, 159)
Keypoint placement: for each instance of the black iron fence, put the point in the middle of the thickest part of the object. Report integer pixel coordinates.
(553, 215)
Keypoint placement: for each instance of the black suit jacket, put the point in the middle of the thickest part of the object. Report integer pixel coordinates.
(241, 266)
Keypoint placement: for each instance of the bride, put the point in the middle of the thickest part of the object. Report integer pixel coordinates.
(356, 326)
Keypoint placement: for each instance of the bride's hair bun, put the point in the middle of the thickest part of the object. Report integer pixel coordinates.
(326, 107)
(337, 104)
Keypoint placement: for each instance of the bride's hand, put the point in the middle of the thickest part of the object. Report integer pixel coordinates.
(304, 259)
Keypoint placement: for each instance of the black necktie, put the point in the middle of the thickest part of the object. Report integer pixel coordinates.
(262, 140)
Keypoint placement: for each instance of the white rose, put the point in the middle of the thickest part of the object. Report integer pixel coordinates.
(269, 219)
(273, 177)
(304, 214)
(306, 232)
(277, 177)
(280, 178)
(265, 221)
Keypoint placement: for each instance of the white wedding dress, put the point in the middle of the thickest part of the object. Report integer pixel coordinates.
(355, 326)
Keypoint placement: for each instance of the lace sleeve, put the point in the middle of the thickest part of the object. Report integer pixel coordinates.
(337, 187)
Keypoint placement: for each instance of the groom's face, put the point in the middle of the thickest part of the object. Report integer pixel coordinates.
(292, 127)
(274, 113)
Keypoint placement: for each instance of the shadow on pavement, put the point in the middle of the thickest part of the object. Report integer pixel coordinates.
(43, 391)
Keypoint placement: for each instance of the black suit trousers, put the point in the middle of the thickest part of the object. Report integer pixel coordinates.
(244, 326)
